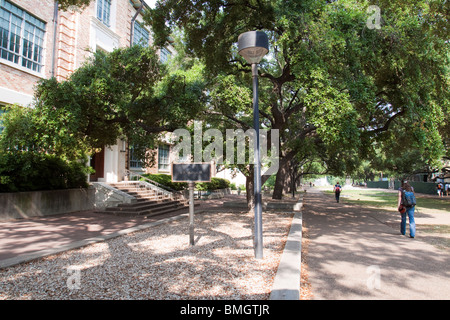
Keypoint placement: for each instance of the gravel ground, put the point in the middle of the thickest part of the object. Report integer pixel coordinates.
(305, 285)
(158, 263)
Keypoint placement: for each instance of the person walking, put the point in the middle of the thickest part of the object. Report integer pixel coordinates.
(406, 210)
(440, 189)
(337, 191)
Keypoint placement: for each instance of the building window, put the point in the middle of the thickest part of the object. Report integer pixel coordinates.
(2, 111)
(140, 35)
(165, 55)
(21, 37)
(163, 157)
(135, 162)
(104, 11)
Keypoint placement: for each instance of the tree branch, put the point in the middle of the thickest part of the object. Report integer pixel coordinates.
(242, 123)
(385, 127)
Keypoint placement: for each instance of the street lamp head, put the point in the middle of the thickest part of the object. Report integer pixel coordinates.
(253, 46)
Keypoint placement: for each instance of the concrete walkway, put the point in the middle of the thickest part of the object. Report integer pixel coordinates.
(358, 253)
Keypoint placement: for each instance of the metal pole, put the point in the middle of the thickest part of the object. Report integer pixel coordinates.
(191, 213)
(132, 22)
(55, 28)
(258, 245)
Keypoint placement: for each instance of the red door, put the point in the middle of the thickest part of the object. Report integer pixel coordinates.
(98, 164)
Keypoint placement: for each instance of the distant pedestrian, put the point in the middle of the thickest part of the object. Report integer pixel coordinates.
(447, 188)
(337, 191)
(440, 189)
(406, 210)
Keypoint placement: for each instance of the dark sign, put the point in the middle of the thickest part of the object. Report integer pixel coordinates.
(191, 172)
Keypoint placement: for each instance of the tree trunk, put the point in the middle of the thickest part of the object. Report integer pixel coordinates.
(249, 185)
(283, 175)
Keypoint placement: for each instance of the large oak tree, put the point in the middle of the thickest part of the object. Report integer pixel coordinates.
(333, 81)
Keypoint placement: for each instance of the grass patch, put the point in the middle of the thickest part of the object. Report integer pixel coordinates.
(436, 234)
(388, 200)
(369, 198)
(434, 228)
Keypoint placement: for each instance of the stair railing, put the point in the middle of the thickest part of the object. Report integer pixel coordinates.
(159, 188)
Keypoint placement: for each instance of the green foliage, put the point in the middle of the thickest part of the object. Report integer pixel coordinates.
(67, 4)
(28, 171)
(166, 180)
(215, 184)
(44, 130)
(125, 93)
(270, 183)
(334, 180)
(335, 88)
(209, 26)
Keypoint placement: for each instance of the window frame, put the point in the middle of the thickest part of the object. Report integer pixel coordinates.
(2, 112)
(134, 162)
(164, 55)
(27, 50)
(141, 36)
(103, 13)
(164, 160)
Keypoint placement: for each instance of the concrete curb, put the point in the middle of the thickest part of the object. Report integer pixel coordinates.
(286, 285)
(81, 243)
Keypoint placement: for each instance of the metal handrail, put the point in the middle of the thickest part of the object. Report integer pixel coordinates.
(174, 194)
(131, 174)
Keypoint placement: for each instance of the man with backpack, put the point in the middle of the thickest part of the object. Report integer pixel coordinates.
(337, 191)
(406, 205)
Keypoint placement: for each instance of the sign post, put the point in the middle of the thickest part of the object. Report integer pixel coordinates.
(191, 173)
(191, 213)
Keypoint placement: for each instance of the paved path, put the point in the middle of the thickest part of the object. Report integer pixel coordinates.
(358, 253)
(21, 239)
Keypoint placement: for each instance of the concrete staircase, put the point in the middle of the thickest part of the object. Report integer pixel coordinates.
(148, 202)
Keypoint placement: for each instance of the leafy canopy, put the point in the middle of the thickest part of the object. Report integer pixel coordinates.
(127, 93)
(329, 79)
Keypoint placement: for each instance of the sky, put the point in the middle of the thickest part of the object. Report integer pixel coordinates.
(151, 3)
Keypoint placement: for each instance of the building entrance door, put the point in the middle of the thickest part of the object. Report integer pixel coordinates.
(98, 164)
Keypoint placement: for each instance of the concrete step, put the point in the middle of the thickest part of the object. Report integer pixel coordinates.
(141, 206)
(149, 212)
(148, 203)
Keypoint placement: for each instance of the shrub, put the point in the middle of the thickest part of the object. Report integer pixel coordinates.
(215, 184)
(166, 180)
(28, 171)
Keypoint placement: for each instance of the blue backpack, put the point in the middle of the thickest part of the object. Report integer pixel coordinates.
(408, 199)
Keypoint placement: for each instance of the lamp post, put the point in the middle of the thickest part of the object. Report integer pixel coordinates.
(253, 46)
